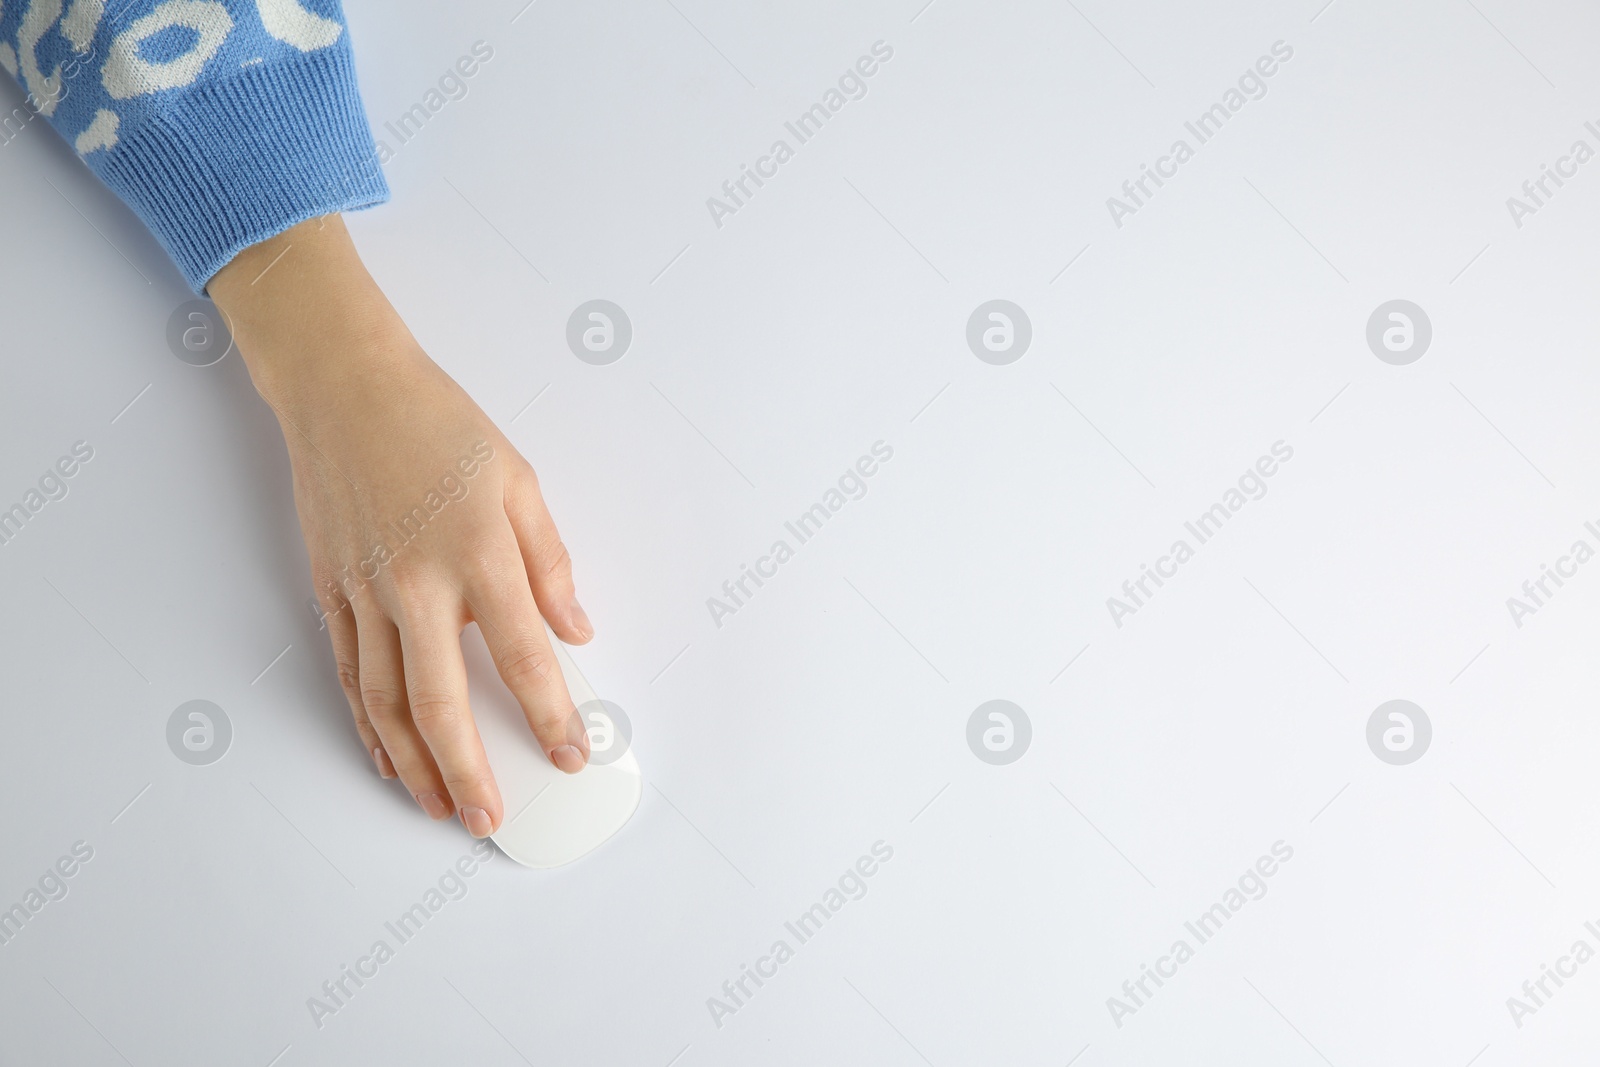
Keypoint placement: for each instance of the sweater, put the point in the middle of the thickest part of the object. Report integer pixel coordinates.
(221, 123)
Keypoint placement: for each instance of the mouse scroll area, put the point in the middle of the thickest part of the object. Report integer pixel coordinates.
(551, 818)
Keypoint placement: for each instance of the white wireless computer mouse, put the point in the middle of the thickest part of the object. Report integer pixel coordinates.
(551, 818)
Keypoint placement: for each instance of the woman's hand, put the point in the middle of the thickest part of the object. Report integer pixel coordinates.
(419, 517)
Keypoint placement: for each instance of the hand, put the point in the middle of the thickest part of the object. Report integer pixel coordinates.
(419, 516)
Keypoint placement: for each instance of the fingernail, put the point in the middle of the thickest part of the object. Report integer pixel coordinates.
(381, 758)
(568, 758)
(580, 620)
(476, 820)
(434, 805)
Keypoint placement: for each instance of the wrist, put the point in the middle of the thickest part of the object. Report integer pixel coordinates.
(305, 313)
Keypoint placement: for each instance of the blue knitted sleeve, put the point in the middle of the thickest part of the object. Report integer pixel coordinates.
(220, 122)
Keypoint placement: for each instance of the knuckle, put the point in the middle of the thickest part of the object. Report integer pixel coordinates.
(435, 711)
(422, 603)
(332, 603)
(559, 565)
(381, 701)
(556, 713)
(552, 721)
(487, 562)
(526, 666)
(468, 782)
(325, 580)
(482, 576)
(337, 589)
(411, 589)
(349, 678)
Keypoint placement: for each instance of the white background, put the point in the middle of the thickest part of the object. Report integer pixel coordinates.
(768, 354)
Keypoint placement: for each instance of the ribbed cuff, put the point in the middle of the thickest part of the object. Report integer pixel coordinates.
(232, 163)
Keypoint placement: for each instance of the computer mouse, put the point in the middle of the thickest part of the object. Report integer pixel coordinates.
(551, 818)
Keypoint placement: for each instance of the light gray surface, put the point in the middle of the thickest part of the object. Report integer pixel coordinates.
(831, 711)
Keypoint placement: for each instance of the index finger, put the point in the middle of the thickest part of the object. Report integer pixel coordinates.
(515, 633)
